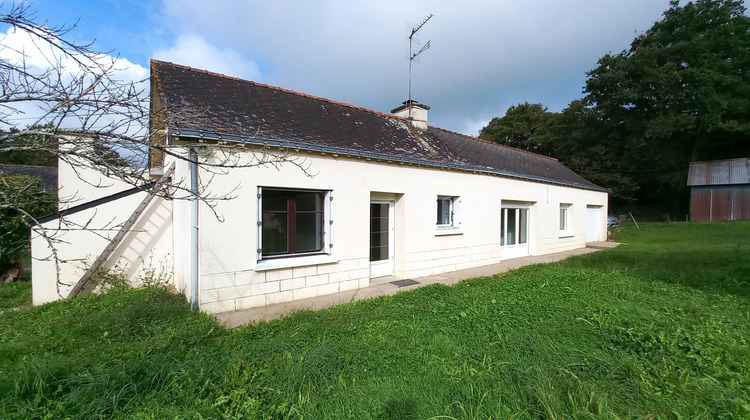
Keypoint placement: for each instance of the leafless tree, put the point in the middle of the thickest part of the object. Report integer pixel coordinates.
(63, 95)
(68, 100)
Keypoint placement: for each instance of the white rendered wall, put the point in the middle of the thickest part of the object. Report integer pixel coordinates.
(146, 250)
(77, 183)
(62, 249)
(230, 280)
(230, 277)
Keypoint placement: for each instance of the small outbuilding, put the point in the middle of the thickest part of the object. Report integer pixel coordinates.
(719, 190)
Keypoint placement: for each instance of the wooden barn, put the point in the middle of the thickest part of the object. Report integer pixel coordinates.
(719, 190)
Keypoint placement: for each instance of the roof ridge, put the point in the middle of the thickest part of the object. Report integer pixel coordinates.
(495, 143)
(280, 89)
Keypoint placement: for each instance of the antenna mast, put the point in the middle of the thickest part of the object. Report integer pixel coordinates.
(413, 56)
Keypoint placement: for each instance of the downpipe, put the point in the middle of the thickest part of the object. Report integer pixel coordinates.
(193, 162)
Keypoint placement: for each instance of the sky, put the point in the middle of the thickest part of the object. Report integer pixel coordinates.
(484, 56)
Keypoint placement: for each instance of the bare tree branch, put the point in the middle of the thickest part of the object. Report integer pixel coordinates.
(67, 100)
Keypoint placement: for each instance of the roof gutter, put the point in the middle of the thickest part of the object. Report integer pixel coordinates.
(259, 141)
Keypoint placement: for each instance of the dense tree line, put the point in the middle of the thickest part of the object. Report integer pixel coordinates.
(680, 93)
(22, 197)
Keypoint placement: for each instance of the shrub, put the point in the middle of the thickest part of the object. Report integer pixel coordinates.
(23, 200)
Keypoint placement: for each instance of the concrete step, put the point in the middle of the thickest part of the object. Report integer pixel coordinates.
(602, 245)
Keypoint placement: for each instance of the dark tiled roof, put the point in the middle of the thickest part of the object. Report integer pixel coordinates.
(205, 103)
(48, 175)
(487, 154)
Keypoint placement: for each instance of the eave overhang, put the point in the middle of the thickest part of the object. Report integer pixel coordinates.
(209, 136)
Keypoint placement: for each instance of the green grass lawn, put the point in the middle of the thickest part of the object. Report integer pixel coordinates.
(657, 328)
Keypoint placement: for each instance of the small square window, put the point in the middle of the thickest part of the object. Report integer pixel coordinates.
(448, 214)
(445, 211)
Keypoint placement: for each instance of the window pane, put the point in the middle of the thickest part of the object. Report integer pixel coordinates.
(444, 211)
(378, 210)
(379, 238)
(309, 234)
(503, 216)
(275, 200)
(379, 246)
(378, 253)
(563, 219)
(274, 233)
(292, 222)
(523, 226)
(378, 224)
(512, 217)
(378, 217)
(309, 201)
(379, 228)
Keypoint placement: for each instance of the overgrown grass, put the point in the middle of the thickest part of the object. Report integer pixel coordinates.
(657, 328)
(14, 295)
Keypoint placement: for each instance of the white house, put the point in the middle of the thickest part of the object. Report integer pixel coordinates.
(384, 195)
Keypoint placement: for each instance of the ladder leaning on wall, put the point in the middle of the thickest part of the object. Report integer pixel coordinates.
(84, 285)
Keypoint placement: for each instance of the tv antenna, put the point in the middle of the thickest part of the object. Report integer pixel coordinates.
(412, 56)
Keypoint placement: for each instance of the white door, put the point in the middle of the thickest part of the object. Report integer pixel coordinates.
(592, 223)
(381, 238)
(514, 232)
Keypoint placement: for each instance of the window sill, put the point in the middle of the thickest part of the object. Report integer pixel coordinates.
(448, 231)
(565, 235)
(289, 262)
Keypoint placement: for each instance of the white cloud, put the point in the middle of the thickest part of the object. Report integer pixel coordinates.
(193, 50)
(20, 47)
(33, 56)
(485, 55)
(472, 126)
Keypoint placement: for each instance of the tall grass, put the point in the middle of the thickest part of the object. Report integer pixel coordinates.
(657, 328)
(14, 295)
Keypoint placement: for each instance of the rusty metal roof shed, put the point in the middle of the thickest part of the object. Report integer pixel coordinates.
(719, 172)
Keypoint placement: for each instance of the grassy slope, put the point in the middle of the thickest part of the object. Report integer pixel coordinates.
(14, 295)
(657, 328)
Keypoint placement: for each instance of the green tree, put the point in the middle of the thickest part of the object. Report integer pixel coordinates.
(580, 139)
(576, 136)
(26, 149)
(524, 126)
(22, 199)
(680, 93)
(36, 148)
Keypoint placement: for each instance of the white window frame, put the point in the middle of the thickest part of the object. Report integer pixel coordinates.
(325, 256)
(565, 220)
(454, 227)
